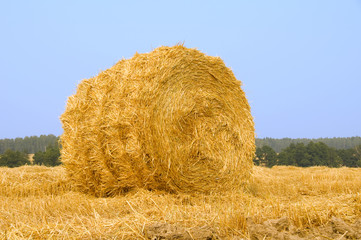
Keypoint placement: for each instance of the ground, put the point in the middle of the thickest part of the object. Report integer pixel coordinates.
(278, 203)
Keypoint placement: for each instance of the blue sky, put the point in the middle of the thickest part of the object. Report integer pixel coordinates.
(299, 61)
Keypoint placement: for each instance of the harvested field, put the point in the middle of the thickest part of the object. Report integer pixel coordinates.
(278, 203)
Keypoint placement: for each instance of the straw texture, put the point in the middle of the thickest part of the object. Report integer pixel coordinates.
(173, 119)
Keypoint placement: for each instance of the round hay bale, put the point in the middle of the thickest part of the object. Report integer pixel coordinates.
(172, 119)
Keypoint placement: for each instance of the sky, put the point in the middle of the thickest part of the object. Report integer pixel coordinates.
(299, 61)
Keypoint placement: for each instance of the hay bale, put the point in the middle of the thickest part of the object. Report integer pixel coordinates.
(172, 119)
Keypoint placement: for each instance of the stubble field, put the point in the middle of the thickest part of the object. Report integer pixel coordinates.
(278, 203)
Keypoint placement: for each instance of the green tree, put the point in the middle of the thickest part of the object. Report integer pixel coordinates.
(314, 154)
(358, 155)
(333, 159)
(31, 144)
(348, 157)
(286, 156)
(317, 153)
(266, 156)
(280, 144)
(48, 158)
(13, 159)
(295, 155)
(321, 154)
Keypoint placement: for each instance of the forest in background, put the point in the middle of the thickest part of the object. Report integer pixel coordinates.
(337, 142)
(31, 144)
(330, 152)
(35, 144)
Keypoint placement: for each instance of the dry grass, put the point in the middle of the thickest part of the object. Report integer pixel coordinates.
(37, 203)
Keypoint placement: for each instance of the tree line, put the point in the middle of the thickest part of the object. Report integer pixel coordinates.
(31, 144)
(312, 154)
(14, 158)
(334, 152)
(34, 144)
(338, 143)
